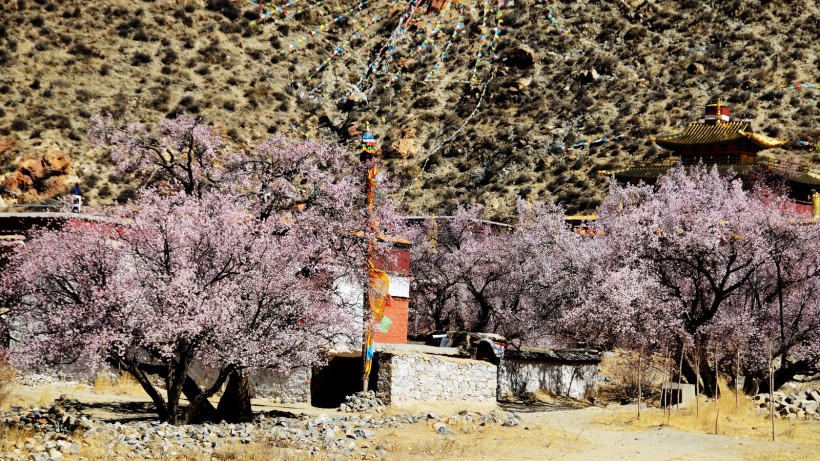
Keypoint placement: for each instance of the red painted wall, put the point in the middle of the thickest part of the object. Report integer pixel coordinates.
(397, 312)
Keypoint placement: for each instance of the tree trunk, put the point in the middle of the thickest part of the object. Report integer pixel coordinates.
(235, 404)
(695, 371)
(205, 411)
(134, 370)
(784, 374)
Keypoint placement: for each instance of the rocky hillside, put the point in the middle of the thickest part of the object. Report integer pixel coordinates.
(452, 128)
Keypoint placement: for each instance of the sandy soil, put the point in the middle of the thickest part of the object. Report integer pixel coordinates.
(546, 432)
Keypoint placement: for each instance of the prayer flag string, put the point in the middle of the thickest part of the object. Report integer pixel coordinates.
(791, 86)
(339, 50)
(459, 27)
(270, 8)
(390, 42)
(322, 28)
(481, 41)
(553, 21)
(424, 44)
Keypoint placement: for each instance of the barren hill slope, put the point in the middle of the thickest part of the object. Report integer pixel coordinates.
(564, 72)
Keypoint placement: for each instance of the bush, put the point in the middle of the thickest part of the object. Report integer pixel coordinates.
(170, 57)
(19, 124)
(225, 7)
(621, 372)
(140, 59)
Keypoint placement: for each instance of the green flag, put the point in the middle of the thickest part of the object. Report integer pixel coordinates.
(384, 324)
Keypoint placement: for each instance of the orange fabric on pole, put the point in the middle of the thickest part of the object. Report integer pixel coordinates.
(379, 286)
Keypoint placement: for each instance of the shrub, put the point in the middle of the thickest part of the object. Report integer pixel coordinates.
(140, 58)
(225, 7)
(19, 124)
(83, 50)
(170, 57)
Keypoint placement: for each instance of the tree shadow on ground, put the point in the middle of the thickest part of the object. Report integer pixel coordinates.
(533, 404)
(118, 412)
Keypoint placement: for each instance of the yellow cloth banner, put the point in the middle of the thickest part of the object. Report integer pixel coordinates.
(379, 286)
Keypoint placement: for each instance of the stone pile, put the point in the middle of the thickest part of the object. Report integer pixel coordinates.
(795, 405)
(52, 420)
(58, 432)
(362, 402)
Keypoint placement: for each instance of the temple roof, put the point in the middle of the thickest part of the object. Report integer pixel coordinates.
(700, 133)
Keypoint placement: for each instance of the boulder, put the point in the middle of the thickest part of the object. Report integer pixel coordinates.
(588, 76)
(405, 147)
(56, 161)
(696, 69)
(519, 57)
(32, 166)
(7, 144)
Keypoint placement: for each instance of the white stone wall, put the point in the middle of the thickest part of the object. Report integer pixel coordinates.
(407, 378)
(292, 386)
(521, 377)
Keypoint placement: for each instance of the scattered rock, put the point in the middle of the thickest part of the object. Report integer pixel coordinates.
(588, 76)
(442, 429)
(795, 405)
(695, 69)
(362, 402)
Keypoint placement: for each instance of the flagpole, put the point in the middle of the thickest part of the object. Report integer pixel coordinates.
(369, 151)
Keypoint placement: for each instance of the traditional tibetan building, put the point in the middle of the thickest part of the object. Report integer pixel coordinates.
(730, 144)
(717, 140)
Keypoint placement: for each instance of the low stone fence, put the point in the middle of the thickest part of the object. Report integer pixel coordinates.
(570, 374)
(407, 378)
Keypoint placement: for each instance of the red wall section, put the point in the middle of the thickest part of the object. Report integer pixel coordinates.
(397, 312)
(397, 262)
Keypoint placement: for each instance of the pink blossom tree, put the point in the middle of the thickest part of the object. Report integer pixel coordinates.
(184, 152)
(680, 262)
(475, 276)
(189, 280)
(308, 192)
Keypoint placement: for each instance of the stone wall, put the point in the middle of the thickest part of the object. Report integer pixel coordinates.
(407, 378)
(521, 377)
(290, 387)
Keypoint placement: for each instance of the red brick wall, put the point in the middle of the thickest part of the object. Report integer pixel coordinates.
(397, 312)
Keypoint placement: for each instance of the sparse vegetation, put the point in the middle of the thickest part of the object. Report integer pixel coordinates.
(649, 80)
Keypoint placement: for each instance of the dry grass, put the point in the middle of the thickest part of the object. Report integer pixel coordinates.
(122, 384)
(622, 367)
(7, 375)
(741, 420)
(141, 59)
(9, 437)
(474, 441)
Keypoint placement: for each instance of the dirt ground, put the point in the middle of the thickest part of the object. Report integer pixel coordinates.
(546, 431)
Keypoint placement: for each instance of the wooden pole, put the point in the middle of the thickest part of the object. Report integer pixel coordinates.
(369, 150)
(680, 375)
(697, 381)
(717, 392)
(771, 391)
(640, 380)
